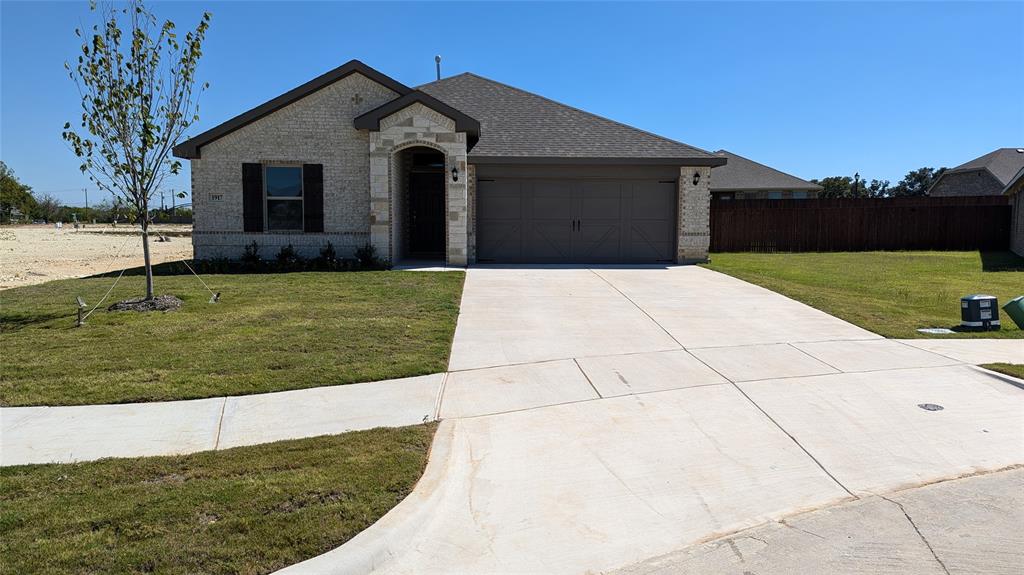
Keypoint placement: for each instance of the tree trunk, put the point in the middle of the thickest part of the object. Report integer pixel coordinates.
(145, 255)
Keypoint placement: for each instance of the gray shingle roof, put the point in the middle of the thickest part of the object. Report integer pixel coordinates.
(1004, 164)
(1012, 187)
(745, 174)
(518, 124)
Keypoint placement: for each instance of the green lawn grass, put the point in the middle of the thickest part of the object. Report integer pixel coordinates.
(889, 293)
(1013, 369)
(269, 332)
(243, 510)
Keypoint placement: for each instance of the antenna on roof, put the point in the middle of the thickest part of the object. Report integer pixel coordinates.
(437, 61)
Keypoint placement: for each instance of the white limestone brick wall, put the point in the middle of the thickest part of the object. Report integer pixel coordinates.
(314, 130)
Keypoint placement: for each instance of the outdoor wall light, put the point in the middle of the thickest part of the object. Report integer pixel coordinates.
(455, 173)
(696, 178)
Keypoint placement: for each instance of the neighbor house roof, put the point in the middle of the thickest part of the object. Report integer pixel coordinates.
(1003, 163)
(517, 126)
(745, 174)
(1015, 184)
(190, 148)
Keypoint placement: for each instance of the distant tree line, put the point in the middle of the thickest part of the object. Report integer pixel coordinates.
(19, 204)
(915, 183)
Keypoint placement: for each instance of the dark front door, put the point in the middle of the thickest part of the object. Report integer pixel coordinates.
(426, 215)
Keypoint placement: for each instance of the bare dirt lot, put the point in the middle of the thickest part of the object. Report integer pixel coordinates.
(39, 253)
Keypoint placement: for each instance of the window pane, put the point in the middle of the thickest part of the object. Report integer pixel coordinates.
(774, 195)
(799, 195)
(283, 182)
(284, 214)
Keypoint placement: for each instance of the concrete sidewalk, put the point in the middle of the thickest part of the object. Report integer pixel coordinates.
(82, 433)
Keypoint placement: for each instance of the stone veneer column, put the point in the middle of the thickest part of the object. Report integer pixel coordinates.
(694, 226)
(380, 198)
(458, 210)
(418, 125)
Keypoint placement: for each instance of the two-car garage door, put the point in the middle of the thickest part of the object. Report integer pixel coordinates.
(575, 221)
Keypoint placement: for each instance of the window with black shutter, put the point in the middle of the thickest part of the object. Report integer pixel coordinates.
(283, 197)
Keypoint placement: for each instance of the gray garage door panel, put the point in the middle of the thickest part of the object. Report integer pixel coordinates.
(652, 235)
(575, 221)
(548, 231)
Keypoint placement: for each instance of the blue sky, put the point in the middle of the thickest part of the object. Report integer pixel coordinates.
(815, 89)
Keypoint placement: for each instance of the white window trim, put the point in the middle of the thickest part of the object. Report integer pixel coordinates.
(300, 198)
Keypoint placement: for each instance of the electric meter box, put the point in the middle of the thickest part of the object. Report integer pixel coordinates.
(979, 312)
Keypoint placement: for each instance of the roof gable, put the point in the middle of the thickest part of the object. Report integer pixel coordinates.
(189, 149)
(463, 123)
(519, 126)
(1016, 184)
(745, 174)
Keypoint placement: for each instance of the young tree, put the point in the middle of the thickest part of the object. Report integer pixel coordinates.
(137, 83)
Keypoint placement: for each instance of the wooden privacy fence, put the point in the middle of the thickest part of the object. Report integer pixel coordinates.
(840, 225)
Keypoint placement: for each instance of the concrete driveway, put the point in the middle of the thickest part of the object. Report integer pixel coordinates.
(596, 418)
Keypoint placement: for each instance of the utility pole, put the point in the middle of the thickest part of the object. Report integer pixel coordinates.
(86, 218)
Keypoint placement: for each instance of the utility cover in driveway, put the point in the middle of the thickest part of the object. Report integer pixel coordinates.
(575, 221)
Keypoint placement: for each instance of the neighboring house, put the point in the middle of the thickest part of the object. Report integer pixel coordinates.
(1015, 189)
(464, 169)
(745, 179)
(984, 176)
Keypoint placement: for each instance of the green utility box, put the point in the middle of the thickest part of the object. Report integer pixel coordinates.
(1015, 309)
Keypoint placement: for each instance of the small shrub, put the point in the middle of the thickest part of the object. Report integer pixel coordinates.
(251, 255)
(328, 259)
(288, 258)
(367, 258)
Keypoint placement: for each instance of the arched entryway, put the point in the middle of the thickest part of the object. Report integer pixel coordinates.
(420, 206)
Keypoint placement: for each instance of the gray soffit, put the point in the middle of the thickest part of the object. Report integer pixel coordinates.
(463, 123)
(517, 126)
(189, 149)
(742, 174)
(592, 161)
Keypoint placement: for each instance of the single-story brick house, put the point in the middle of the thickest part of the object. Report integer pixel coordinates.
(987, 175)
(1015, 190)
(464, 169)
(744, 179)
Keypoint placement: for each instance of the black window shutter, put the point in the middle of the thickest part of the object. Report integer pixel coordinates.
(313, 197)
(252, 197)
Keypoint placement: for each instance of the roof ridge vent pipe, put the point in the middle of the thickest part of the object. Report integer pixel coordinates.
(437, 62)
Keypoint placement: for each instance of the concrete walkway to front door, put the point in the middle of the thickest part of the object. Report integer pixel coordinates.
(598, 417)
